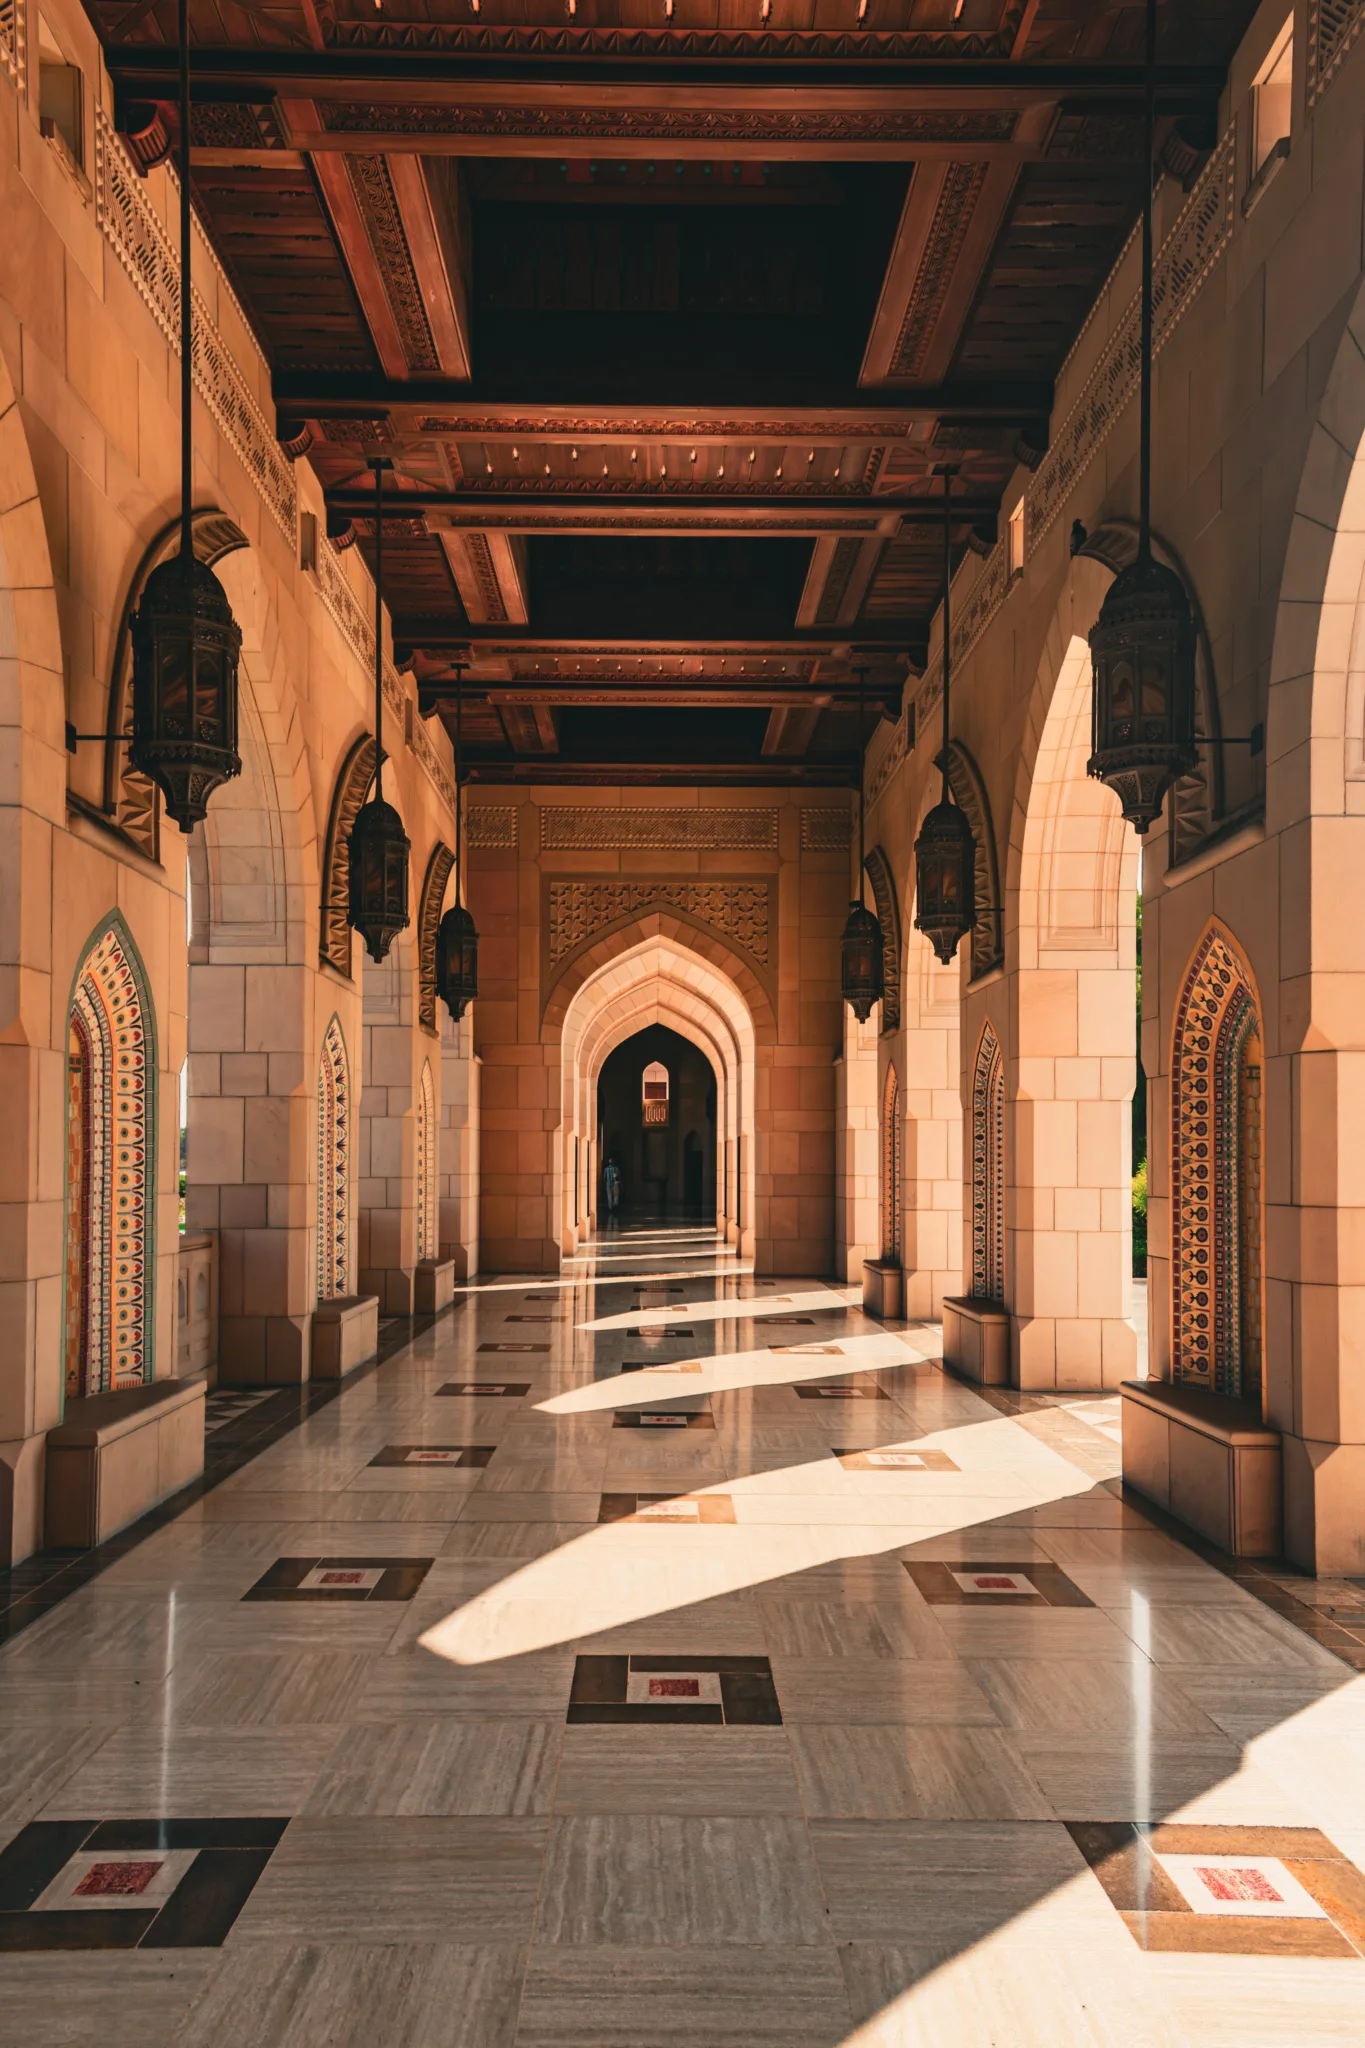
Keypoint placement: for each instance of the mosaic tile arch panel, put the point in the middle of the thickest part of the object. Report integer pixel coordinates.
(333, 1166)
(1216, 1195)
(988, 1169)
(110, 1168)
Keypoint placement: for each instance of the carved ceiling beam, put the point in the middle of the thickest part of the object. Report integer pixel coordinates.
(836, 582)
(525, 509)
(490, 575)
(836, 771)
(435, 634)
(530, 726)
(791, 728)
(383, 408)
(951, 217)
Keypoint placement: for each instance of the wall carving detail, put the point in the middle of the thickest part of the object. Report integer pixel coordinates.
(988, 1169)
(333, 1273)
(491, 827)
(739, 911)
(352, 787)
(428, 923)
(892, 1191)
(1333, 26)
(1183, 263)
(969, 791)
(152, 261)
(13, 55)
(111, 1169)
(1216, 1074)
(878, 869)
(426, 1166)
(574, 828)
(825, 829)
(892, 753)
(603, 40)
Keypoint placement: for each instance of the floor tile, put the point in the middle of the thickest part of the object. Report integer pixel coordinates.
(664, 1881)
(675, 1771)
(915, 1773)
(441, 1767)
(604, 1997)
(352, 1995)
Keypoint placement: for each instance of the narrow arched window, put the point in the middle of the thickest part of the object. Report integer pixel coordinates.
(1216, 1196)
(110, 1170)
(654, 1093)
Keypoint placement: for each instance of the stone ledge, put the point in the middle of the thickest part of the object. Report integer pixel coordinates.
(114, 1456)
(433, 1286)
(883, 1287)
(976, 1339)
(345, 1335)
(1209, 1460)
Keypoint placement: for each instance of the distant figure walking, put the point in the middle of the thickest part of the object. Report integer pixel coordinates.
(611, 1182)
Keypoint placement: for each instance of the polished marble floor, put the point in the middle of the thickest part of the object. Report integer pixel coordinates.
(657, 1655)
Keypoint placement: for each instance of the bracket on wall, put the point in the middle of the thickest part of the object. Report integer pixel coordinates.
(1255, 739)
(75, 739)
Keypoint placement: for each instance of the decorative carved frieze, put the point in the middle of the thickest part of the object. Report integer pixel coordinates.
(972, 614)
(760, 43)
(962, 187)
(969, 793)
(428, 923)
(879, 874)
(810, 431)
(894, 752)
(574, 828)
(141, 243)
(1186, 257)
(842, 564)
(668, 124)
(739, 912)
(1333, 26)
(13, 53)
(825, 829)
(491, 827)
(378, 207)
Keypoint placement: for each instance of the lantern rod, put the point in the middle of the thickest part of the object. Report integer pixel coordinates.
(948, 474)
(459, 737)
(862, 779)
(1145, 363)
(186, 301)
(379, 463)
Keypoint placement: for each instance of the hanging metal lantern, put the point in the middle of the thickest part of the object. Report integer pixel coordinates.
(1142, 650)
(457, 961)
(861, 962)
(379, 852)
(945, 879)
(185, 649)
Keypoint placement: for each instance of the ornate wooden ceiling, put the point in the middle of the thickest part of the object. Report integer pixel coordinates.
(668, 316)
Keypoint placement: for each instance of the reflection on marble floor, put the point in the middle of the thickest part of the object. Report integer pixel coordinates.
(721, 1678)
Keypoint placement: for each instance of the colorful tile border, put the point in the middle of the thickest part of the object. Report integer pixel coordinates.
(1019, 1583)
(341, 1578)
(460, 1456)
(1227, 1890)
(699, 1692)
(681, 1510)
(121, 1884)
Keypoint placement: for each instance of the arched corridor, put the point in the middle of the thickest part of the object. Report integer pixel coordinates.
(682, 1191)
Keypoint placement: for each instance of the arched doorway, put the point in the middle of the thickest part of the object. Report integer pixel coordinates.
(656, 1118)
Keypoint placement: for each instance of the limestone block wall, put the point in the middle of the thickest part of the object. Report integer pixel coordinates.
(89, 461)
(749, 887)
(857, 1170)
(458, 1148)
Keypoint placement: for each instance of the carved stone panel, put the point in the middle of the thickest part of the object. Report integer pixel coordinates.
(825, 830)
(428, 921)
(491, 826)
(334, 935)
(575, 828)
(739, 912)
(889, 917)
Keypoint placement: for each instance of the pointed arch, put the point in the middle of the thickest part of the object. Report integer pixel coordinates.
(426, 1165)
(892, 1175)
(129, 798)
(428, 923)
(333, 1267)
(352, 783)
(1217, 1061)
(878, 871)
(988, 1168)
(108, 1317)
(969, 792)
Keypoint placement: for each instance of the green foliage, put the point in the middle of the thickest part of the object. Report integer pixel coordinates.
(1140, 1221)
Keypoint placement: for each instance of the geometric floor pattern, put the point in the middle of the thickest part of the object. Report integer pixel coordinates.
(456, 1716)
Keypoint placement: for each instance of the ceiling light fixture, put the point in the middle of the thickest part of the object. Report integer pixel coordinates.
(186, 642)
(379, 847)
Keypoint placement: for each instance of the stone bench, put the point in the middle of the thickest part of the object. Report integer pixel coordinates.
(1208, 1460)
(433, 1286)
(976, 1339)
(114, 1456)
(883, 1287)
(345, 1335)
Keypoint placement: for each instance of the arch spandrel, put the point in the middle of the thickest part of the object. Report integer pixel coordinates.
(352, 785)
(689, 940)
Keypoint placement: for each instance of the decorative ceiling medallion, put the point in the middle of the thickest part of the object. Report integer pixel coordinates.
(825, 830)
(573, 828)
(738, 911)
(662, 124)
(491, 826)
